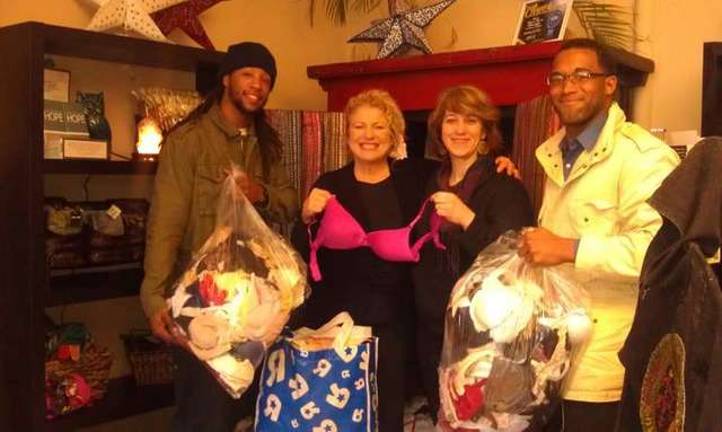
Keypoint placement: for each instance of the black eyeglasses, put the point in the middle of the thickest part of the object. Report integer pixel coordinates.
(555, 79)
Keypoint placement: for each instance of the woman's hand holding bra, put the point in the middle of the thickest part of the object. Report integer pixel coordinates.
(314, 204)
(452, 208)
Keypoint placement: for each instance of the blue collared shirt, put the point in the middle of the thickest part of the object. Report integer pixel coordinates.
(572, 147)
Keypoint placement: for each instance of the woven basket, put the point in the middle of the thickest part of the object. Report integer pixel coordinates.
(94, 365)
(150, 360)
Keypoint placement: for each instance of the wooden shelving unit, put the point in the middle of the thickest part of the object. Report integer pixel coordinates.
(99, 167)
(509, 74)
(123, 399)
(92, 284)
(28, 286)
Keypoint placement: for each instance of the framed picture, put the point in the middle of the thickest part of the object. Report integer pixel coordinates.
(85, 149)
(542, 21)
(56, 85)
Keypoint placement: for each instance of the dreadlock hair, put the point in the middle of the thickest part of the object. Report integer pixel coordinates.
(269, 142)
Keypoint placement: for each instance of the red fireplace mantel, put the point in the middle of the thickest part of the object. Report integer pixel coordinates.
(509, 75)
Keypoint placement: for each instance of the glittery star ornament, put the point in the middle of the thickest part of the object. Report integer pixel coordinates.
(129, 16)
(184, 16)
(403, 30)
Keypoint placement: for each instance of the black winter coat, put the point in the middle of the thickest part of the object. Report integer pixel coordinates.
(500, 203)
(673, 354)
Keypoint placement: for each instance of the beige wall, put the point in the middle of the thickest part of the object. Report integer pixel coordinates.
(280, 24)
(673, 33)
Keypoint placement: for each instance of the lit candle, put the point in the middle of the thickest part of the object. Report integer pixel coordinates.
(149, 139)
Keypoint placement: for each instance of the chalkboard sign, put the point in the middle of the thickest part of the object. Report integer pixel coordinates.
(542, 20)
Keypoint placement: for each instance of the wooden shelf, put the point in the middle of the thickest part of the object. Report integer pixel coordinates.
(96, 167)
(24, 48)
(509, 75)
(120, 49)
(123, 399)
(93, 283)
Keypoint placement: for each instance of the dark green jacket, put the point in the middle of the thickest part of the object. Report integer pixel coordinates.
(190, 174)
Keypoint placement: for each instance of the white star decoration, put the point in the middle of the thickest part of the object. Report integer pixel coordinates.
(405, 29)
(130, 15)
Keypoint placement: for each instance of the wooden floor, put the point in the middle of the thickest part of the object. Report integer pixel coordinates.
(159, 420)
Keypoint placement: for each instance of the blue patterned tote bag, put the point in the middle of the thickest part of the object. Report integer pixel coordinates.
(320, 380)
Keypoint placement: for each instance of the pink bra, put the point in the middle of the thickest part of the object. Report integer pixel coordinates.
(339, 230)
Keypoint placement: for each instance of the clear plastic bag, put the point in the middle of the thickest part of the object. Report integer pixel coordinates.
(509, 336)
(238, 292)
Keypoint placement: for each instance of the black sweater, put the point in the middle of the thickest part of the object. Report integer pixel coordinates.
(372, 290)
(500, 203)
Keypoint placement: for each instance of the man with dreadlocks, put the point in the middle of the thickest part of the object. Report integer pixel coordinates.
(229, 127)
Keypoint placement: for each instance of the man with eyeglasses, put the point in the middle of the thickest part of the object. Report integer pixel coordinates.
(595, 222)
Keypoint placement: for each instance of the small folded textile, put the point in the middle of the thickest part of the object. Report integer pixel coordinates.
(208, 336)
(234, 373)
(509, 386)
(471, 402)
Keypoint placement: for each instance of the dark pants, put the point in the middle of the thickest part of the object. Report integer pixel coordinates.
(428, 347)
(390, 376)
(429, 327)
(202, 404)
(573, 416)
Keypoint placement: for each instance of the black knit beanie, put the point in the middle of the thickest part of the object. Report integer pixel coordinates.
(249, 54)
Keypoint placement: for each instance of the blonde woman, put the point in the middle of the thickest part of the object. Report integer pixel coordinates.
(378, 192)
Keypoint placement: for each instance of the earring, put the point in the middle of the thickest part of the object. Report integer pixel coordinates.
(398, 151)
(481, 146)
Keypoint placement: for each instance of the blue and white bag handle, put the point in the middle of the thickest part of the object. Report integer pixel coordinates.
(340, 329)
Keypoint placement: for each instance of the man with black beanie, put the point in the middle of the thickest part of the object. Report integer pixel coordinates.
(228, 127)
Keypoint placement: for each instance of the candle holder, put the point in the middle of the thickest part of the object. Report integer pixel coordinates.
(149, 142)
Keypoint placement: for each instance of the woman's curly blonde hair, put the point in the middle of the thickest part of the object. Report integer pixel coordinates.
(383, 101)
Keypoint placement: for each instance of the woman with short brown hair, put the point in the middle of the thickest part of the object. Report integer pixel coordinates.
(477, 204)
